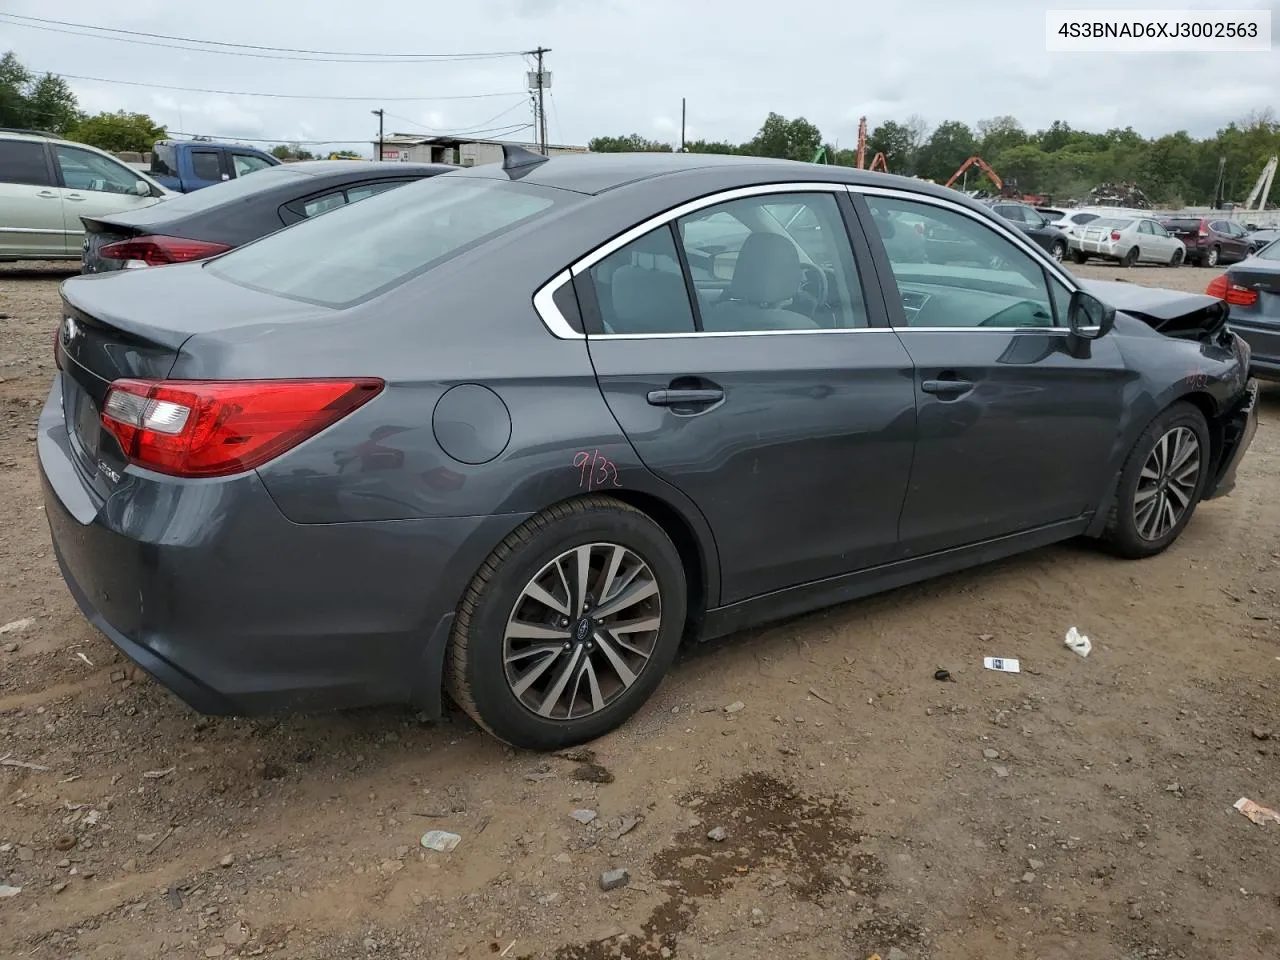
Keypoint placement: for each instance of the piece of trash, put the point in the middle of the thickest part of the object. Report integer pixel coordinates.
(735, 707)
(1255, 812)
(442, 841)
(157, 774)
(583, 816)
(1078, 643)
(8, 891)
(626, 826)
(943, 676)
(1001, 664)
(24, 764)
(84, 658)
(508, 949)
(815, 693)
(613, 879)
(592, 773)
(15, 626)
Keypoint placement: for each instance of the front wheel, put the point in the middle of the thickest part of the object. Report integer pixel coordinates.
(1079, 256)
(1058, 250)
(569, 625)
(1160, 483)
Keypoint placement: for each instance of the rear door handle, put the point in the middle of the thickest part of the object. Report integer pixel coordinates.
(47, 193)
(947, 388)
(74, 196)
(685, 397)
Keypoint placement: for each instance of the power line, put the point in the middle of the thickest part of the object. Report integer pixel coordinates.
(280, 96)
(482, 125)
(292, 140)
(242, 49)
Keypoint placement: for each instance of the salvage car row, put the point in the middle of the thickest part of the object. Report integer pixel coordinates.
(515, 431)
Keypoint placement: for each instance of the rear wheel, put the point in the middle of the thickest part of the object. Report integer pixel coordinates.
(1176, 259)
(1160, 483)
(1079, 256)
(1058, 250)
(1212, 257)
(1130, 258)
(569, 625)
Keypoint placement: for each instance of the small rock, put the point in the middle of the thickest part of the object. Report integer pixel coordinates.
(592, 773)
(613, 879)
(1035, 864)
(612, 933)
(735, 707)
(26, 854)
(1135, 912)
(118, 676)
(1028, 877)
(1174, 788)
(757, 917)
(1001, 772)
(236, 935)
(60, 886)
(583, 816)
(896, 954)
(63, 863)
(562, 858)
(7, 891)
(718, 834)
(64, 842)
(10, 648)
(227, 860)
(17, 626)
(272, 771)
(217, 950)
(991, 754)
(1262, 733)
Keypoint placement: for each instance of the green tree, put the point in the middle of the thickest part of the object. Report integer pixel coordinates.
(51, 105)
(14, 80)
(785, 139)
(631, 143)
(118, 131)
(343, 155)
(712, 146)
(998, 134)
(895, 141)
(291, 151)
(945, 150)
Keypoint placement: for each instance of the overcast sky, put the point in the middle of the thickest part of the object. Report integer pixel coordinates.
(621, 66)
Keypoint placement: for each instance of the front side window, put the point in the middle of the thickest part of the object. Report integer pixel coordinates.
(970, 275)
(248, 163)
(403, 233)
(777, 262)
(23, 161)
(85, 170)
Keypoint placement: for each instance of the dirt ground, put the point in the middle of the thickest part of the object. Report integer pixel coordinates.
(1080, 809)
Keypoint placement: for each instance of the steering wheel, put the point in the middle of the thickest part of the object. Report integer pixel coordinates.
(813, 289)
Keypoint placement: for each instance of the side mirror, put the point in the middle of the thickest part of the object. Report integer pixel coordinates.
(1088, 317)
(142, 188)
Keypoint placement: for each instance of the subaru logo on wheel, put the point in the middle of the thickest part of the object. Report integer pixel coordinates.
(584, 627)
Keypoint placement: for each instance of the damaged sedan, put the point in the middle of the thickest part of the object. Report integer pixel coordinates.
(548, 418)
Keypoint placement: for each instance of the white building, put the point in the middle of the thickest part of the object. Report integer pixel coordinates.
(466, 153)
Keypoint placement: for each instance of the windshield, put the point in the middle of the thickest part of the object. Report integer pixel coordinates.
(1181, 223)
(1106, 223)
(1270, 252)
(364, 249)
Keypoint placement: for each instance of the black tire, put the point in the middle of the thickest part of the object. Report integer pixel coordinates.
(1214, 255)
(1058, 250)
(1122, 534)
(1130, 257)
(476, 677)
(1176, 259)
(1079, 256)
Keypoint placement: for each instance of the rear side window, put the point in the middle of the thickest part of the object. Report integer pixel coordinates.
(402, 233)
(23, 161)
(206, 165)
(640, 289)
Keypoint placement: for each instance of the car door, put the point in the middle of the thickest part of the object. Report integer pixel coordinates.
(208, 166)
(244, 163)
(1148, 246)
(1017, 419)
(1168, 244)
(1239, 240)
(31, 224)
(778, 400)
(95, 186)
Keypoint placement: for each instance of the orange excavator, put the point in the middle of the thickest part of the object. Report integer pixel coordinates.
(877, 162)
(1008, 188)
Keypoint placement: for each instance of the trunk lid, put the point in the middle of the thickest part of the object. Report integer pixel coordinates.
(134, 325)
(98, 232)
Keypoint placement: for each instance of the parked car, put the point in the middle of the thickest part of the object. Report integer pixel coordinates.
(1025, 218)
(1262, 237)
(187, 165)
(1210, 242)
(1070, 221)
(1251, 289)
(506, 432)
(47, 184)
(208, 222)
(1127, 240)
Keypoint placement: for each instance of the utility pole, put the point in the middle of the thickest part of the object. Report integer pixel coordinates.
(682, 115)
(540, 84)
(378, 114)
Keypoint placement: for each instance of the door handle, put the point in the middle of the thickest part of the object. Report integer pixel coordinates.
(73, 196)
(47, 193)
(685, 397)
(947, 388)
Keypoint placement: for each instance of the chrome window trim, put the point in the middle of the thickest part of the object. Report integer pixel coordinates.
(544, 303)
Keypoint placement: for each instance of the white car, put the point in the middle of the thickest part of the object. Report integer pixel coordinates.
(1069, 222)
(1127, 240)
(47, 185)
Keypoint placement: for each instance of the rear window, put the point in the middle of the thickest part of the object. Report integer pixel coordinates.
(1181, 223)
(227, 191)
(364, 249)
(1082, 218)
(164, 160)
(1110, 223)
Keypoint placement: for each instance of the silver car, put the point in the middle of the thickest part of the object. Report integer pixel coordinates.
(1128, 240)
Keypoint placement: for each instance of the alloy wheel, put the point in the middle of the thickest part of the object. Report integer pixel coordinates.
(1167, 483)
(582, 631)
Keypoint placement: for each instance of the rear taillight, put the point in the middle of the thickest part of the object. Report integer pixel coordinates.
(157, 251)
(1233, 293)
(1115, 234)
(1204, 229)
(196, 428)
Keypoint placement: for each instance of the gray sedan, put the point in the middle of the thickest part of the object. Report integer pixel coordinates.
(516, 431)
(1252, 289)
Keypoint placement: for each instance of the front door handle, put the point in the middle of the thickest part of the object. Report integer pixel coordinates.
(685, 397)
(947, 388)
(49, 194)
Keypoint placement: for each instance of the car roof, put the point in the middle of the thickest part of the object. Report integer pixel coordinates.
(374, 168)
(595, 173)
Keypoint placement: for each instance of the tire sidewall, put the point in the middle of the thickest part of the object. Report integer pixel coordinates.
(1058, 251)
(504, 715)
(1126, 533)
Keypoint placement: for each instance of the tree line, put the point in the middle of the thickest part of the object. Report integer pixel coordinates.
(1173, 170)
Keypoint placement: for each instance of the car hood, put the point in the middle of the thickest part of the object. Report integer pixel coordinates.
(1171, 312)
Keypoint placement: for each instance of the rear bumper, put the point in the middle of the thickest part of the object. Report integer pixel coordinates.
(1264, 344)
(237, 610)
(1238, 427)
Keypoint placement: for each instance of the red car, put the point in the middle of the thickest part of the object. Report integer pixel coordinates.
(1210, 242)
